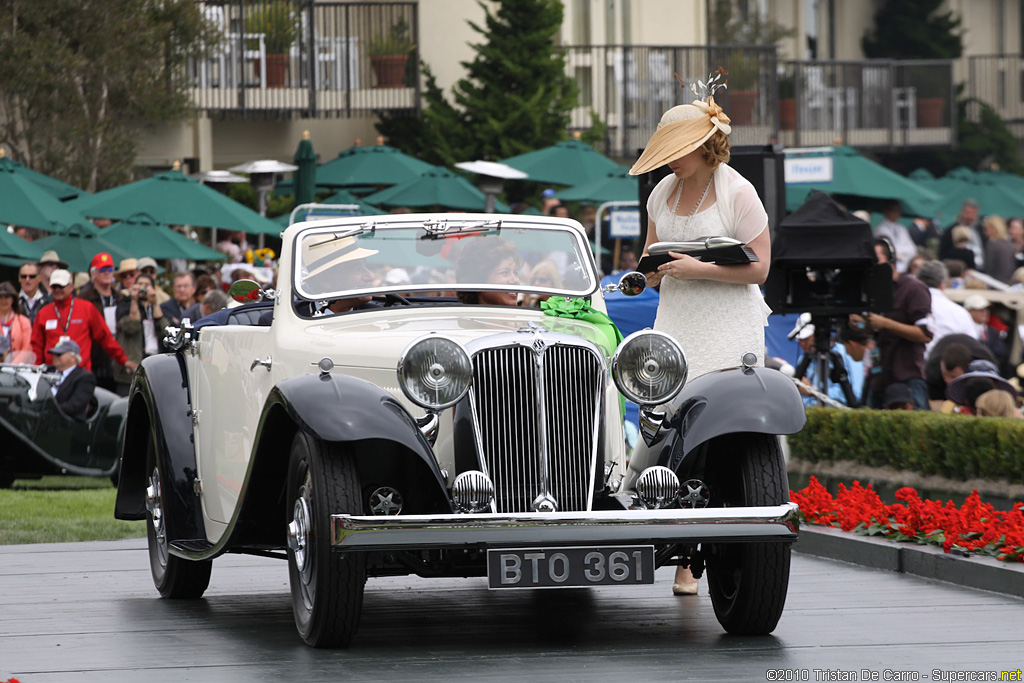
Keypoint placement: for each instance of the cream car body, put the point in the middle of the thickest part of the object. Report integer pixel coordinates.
(362, 421)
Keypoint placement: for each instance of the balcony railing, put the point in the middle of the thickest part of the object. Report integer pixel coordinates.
(998, 80)
(872, 103)
(308, 58)
(630, 86)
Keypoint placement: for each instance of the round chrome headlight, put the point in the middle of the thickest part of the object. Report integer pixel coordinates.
(435, 372)
(649, 367)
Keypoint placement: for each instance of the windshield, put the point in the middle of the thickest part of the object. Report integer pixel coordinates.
(444, 258)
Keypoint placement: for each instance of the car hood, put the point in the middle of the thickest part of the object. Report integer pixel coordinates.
(378, 338)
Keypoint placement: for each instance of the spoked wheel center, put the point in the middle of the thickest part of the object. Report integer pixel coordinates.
(298, 535)
(155, 507)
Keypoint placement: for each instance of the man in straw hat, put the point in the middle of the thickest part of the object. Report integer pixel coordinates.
(48, 263)
(334, 265)
(716, 312)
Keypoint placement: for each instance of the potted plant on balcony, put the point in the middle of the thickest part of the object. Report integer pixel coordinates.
(787, 99)
(389, 54)
(933, 88)
(277, 24)
(744, 73)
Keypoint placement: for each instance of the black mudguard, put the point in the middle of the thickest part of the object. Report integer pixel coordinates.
(755, 400)
(160, 408)
(387, 444)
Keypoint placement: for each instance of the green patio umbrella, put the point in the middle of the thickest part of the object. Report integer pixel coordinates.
(571, 162)
(436, 187)
(15, 250)
(141, 235)
(24, 202)
(861, 183)
(346, 197)
(377, 165)
(78, 244)
(615, 186)
(305, 177)
(992, 197)
(59, 190)
(172, 198)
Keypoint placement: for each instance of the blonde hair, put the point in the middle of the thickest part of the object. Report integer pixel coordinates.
(1018, 276)
(961, 234)
(995, 403)
(997, 225)
(715, 149)
(549, 269)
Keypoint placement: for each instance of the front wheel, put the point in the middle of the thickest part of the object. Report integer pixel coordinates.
(174, 577)
(748, 581)
(326, 586)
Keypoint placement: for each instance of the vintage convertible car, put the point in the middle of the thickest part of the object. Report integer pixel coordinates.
(39, 439)
(389, 410)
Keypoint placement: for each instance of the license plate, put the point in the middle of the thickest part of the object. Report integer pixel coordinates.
(570, 567)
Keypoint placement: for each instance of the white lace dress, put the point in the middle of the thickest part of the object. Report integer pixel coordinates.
(715, 322)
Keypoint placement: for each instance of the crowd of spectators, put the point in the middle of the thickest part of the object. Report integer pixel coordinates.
(932, 351)
(113, 319)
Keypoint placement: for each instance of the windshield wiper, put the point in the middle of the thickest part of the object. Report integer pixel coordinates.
(367, 227)
(439, 229)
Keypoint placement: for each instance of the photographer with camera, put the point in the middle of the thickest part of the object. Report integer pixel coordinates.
(140, 326)
(901, 334)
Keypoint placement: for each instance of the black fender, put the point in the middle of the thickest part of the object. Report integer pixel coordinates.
(387, 445)
(160, 408)
(758, 400)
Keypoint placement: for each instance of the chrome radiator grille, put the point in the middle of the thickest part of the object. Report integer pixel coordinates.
(517, 394)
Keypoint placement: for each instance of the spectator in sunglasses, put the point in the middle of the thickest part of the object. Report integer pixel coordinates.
(101, 292)
(32, 297)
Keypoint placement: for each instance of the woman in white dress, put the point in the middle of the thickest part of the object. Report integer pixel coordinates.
(715, 312)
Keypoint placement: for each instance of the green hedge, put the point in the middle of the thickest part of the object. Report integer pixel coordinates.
(954, 446)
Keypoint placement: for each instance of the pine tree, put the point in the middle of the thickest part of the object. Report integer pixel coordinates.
(911, 29)
(516, 96)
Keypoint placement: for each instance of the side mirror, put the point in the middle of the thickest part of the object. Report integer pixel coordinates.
(630, 284)
(247, 291)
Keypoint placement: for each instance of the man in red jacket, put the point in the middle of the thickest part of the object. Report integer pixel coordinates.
(82, 323)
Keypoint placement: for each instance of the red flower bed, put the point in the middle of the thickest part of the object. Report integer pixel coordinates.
(973, 527)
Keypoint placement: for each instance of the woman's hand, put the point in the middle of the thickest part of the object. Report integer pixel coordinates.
(654, 279)
(683, 267)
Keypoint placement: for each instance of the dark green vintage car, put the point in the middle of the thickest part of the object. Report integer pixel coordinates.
(39, 439)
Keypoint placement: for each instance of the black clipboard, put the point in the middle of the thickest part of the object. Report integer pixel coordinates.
(722, 251)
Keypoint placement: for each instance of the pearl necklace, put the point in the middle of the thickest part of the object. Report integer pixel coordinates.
(689, 217)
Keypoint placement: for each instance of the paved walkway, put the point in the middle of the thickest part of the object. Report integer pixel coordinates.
(87, 612)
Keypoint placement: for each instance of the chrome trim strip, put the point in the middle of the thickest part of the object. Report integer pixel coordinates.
(777, 523)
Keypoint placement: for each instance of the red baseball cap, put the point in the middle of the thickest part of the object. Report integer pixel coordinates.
(101, 260)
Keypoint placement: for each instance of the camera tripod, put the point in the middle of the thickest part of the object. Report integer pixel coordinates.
(828, 364)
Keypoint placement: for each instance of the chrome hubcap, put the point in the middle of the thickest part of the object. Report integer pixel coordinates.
(298, 530)
(154, 505)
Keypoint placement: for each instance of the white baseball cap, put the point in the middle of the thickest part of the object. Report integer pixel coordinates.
(60, 277)
(976, 302)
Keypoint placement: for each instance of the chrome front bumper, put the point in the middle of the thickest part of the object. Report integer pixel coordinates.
(770, 523)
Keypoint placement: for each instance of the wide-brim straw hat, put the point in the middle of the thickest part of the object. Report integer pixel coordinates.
(321, 255)
(51, 258)
(682, 129)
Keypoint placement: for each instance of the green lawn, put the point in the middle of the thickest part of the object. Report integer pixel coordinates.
(60, 509)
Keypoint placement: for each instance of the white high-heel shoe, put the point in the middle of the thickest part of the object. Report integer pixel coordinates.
(684, 584)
